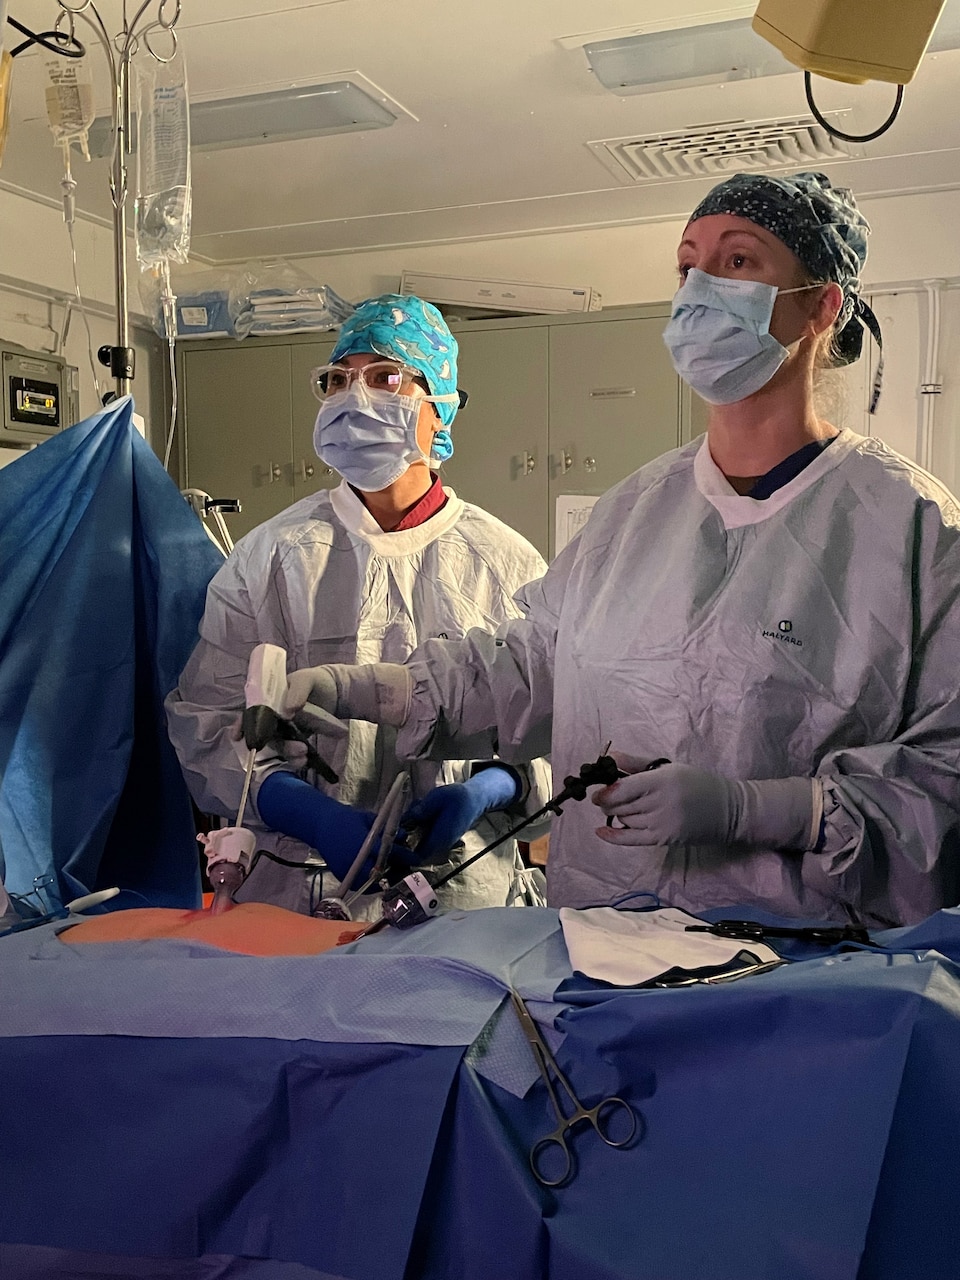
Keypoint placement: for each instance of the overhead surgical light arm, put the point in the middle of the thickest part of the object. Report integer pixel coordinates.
(851, 40)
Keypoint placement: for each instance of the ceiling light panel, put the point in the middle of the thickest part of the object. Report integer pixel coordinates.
(684, 57)
(309, 111)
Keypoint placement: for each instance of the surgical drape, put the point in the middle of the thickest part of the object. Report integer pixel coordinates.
(103, 573)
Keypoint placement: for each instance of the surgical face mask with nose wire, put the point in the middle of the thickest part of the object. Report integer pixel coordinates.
(719, 338)
(369, 437)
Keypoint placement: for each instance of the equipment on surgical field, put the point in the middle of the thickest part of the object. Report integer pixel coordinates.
(552, 1158)
(446, 813)
(829, 935)
(414, 899)
(654, 946)
(411, 902)
(45, 905)
(264, 719)
(384, 830)
(228, 851)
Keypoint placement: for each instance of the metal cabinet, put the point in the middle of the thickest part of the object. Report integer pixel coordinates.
(309, 473)
(249, 412)
(500, 438)
(558, 405)
(237, 441)
(614, 403)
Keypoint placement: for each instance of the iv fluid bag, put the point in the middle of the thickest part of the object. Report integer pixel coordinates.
(70, 103)
(163, 163)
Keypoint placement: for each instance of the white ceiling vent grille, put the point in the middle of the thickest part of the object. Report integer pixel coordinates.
(715, 150)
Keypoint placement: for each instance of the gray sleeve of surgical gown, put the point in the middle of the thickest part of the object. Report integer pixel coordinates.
(892, 810)
(490, 693)
(203, 708)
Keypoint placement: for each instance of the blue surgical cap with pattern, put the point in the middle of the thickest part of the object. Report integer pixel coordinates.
(411, 331)
(820, 223)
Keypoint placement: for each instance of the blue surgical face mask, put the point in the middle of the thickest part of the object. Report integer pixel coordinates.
(719, 338)
(369, 439)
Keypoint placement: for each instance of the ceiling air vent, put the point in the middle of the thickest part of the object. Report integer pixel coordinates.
(715, 150)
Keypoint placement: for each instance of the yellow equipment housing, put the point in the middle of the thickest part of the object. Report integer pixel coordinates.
(851, 40)
(6, 74)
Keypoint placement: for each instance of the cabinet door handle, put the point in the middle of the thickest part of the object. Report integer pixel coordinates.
(276, 471)
(589, 464)
(564, 461)
(528, 463)
(270, 473)
(306, 469)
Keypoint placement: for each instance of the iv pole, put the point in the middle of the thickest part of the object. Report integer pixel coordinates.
(119, 50)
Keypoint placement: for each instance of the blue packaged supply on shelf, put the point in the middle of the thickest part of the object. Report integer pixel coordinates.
(204, 315)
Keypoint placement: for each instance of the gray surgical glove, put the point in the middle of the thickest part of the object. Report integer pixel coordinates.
(379, 692)
(677, 804)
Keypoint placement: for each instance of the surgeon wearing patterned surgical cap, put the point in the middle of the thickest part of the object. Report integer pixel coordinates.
(364, 573)
(773, 609)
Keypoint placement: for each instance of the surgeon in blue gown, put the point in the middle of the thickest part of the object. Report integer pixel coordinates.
(773, 608)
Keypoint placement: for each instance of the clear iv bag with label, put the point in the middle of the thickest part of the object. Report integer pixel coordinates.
(70, 103)
(163, 162)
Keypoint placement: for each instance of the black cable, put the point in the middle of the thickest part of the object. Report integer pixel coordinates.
(494, 844)
(284, 862)
(66, 46)
(838, 133)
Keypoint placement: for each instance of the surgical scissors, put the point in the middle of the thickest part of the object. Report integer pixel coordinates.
(601, 1117)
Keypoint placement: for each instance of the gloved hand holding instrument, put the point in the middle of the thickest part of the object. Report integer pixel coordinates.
(678, 804)
(262, 722)
(445, 814)
(414, 899)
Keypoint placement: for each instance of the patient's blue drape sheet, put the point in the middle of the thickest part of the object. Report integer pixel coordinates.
(318, 1115)
(103, 576)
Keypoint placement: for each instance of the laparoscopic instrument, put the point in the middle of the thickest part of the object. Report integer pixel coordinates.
(615, 1122)
(750, 931)
(229, 850)
(414, 899)
(45, 905)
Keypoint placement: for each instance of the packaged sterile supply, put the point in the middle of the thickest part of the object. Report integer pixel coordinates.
(202, 302)
(163, 202)
(278, 297)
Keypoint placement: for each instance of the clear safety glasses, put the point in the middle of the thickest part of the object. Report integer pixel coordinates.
(385, 377)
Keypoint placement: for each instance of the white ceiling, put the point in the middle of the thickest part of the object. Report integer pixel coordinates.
(495, 140)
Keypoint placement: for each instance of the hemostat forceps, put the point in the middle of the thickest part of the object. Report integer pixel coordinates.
(555, 1148)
